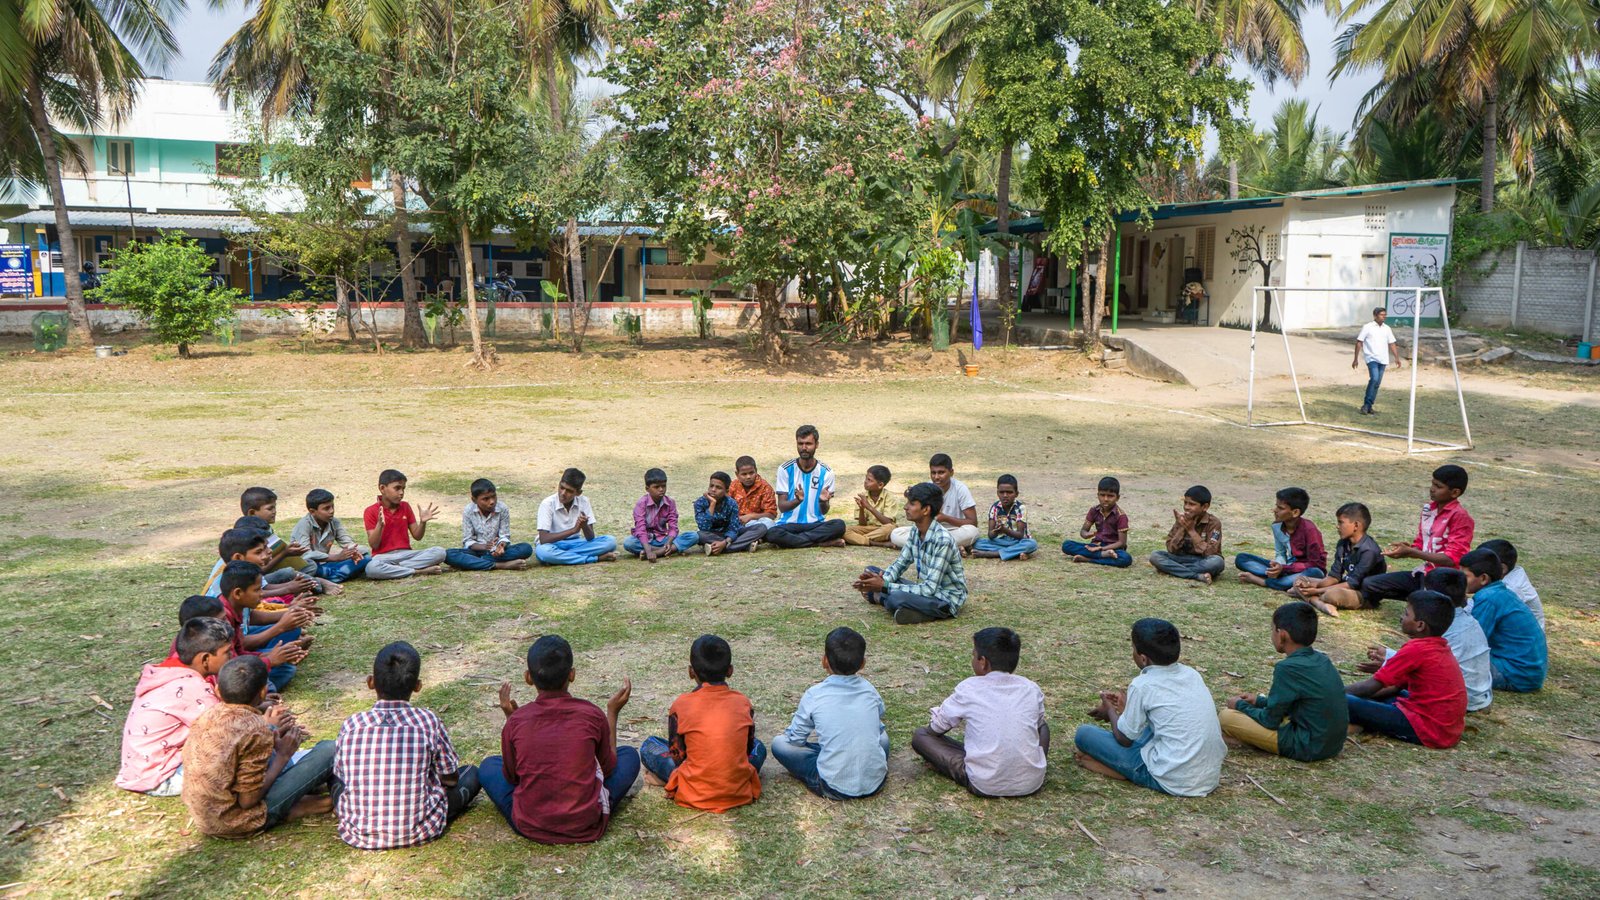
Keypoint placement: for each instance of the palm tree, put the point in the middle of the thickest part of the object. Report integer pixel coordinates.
(1296, 155)
(1263, 34)
(1478, 63)
(262, 61)
(559, 35)
(77, 62)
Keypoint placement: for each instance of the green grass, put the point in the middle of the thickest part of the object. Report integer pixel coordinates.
(92, 571)
(1568, 880)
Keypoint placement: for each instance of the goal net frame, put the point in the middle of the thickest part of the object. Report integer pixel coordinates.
(1414, 444)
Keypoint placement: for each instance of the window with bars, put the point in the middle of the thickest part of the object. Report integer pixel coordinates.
(119, 157)
(1376, 217)
(1270, 245)
(1205, 251)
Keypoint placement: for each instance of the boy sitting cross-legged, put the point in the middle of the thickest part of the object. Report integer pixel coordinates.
(1105, 527)
(655, 521)
(277, 632)
(1516, 577)
(758, 503)
(877, 511)
(1297, 546)
(170, 696)
(397, 781)
(337, 556)
(1356, 558)
(392, 526)
(566, 527)
(486, 534)
(560, 776)
(711, 759)
(1465, 636)
(1164, 732)
(1304, 716)
(262, 503)
(1444, 535)
(717, 525)
(1002, 716)
(1419, 695)
(1518, 653)
(849, 758)
(957, 512)
(1008, 526)
(941, 585)
(239, 771)
(1194, 545)
(250, 545)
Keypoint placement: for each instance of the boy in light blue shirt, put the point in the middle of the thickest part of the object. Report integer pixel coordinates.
(849, 758)
(1518, 654)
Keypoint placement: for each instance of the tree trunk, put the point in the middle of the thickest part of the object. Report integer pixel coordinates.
(1233, 179)
(574, 254)
(1491, 139)
(1101, 285)
(183, 350)
(1087, 294)
(341, 303)
(412, 333)
(1002, 228)
(81, 331)
(769, 295)
(480, 358)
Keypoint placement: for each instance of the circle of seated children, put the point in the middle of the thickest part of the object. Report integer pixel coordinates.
(207, 723)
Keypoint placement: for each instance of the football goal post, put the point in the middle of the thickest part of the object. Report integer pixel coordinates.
(1403, 303)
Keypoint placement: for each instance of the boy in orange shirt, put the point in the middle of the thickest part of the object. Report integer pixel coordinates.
(711, 759)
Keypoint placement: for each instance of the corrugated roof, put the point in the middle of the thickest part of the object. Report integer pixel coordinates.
(109, 218)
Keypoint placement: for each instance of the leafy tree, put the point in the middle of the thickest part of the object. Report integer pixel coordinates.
(1098, 91)
(78, 62)
(169, 284)
(1296, 155)
(765, 129)
(1266, 36)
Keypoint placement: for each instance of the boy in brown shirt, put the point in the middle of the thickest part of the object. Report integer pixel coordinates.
(240, 774)
(1194, 545)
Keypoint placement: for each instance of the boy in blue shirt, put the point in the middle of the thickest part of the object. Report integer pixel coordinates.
(716, 521)
(850, 757)
(1517, 651)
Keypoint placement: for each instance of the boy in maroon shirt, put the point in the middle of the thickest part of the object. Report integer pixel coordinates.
(1419, 695)
(560, 776)
(1298, 551)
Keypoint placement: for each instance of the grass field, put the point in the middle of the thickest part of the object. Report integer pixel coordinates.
(117, 476)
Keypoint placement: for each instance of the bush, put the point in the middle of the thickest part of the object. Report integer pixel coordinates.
(169, 284)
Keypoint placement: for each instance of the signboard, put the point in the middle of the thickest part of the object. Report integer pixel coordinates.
(1416, 260)
(16, 270)
(1036, 278)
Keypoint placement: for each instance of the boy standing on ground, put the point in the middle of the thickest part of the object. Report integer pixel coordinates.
(877, 510)
(804, 490)
(486, 534)
(1375, 345)
(959, 512)
(941, 585)
(1194, 545)
(391, 526)
(566, 527)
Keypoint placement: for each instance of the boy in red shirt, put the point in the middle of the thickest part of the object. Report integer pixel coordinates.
(711, 759)
(560, 776)
(1444, 535)
(391, 526)
(1419, 695)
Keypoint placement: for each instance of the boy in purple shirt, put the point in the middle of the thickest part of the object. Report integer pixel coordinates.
(1106, 527)
(1298, 551)
(655, 520)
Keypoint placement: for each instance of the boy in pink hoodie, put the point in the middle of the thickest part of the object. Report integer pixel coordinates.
(170, 696)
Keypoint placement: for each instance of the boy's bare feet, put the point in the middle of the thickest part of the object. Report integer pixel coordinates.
(651, 779)
(1205, 578)
(311, 805)
(512, 565)
(1324, 608)
(330, 587)
(836, 542)
(1077, 559)
(1096, 766)
(888, 544)
(607, 557)
(981, 554)
(1025, 556)
(431, 570)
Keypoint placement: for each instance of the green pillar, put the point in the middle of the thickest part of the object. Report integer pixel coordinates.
(1116, 280)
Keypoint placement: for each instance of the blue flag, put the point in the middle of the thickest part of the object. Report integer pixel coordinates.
(977, 320)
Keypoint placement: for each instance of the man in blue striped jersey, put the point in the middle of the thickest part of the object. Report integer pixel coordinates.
(805, 488)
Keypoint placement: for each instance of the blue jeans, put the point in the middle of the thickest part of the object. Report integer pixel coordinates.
(575, 550)
(492, 776)
(1073, 548)
(1102, 746)
(1374, 378)
(656, 757)
(343, 570)
(800, 760)
(1257, 565)
(482, 560)
(632, 545)
(1381, 716)
(1007, 547)
(297, 780)
(278, 676)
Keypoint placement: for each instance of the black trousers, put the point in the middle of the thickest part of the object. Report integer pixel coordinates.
(794, 536)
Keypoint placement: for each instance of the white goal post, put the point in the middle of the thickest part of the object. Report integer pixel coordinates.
(1414, 294)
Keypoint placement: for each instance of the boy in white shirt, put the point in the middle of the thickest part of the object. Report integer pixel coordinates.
(958, 514)
(566, 527)
(1164, 734)
(1375, 345)
(1516, 577)
(1002, 715)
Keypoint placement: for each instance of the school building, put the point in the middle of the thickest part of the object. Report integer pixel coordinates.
(157, 172)
(1180, 267)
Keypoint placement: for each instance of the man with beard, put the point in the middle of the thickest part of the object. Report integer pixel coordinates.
(804, 489)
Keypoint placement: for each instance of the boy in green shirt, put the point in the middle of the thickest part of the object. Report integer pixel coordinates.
(1305, 715)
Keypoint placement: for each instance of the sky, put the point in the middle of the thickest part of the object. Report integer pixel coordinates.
(203, 30)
